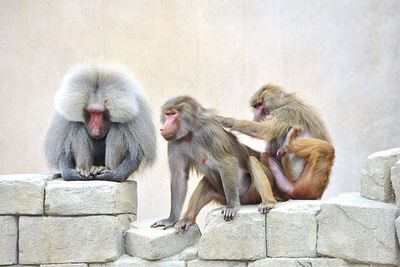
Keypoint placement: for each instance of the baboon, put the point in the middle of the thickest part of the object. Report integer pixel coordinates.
(102, 128)
(304, 170)
(196, 141)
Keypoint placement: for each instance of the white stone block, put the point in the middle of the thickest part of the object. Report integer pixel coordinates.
(357, 229)
(208, 263)
(126, 260)
(90, 197)
(301, 262)
(243, 238)
(187, 254)
(71, 239)
(155, 243)
(375, 179)
(395, 179)
(292, 229)
(65, 265)
(8, 240)
(22, 193)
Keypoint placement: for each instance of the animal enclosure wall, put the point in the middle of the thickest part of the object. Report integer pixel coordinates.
(340, 56)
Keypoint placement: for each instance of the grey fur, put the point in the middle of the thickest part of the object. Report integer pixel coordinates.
(130, 141)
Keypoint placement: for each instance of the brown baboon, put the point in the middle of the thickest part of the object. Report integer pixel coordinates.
(102, 128)
(197, 141)
(304, 170)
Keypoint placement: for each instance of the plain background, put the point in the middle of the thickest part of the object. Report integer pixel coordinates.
(342, 57)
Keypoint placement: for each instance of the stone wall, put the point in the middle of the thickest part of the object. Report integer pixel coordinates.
(50, 222)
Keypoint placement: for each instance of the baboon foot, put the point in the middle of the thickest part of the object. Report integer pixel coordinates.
(264, 207)
(183, 225)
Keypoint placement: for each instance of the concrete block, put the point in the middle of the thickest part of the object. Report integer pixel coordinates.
(22, 193)
(375, 179)
(71, 239)
(243, 238)
(357, 229)
(8, 240)
(90, 197)
(292, 229)
(154, 243)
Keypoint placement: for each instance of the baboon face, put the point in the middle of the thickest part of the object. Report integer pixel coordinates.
(97, 122)
(266, 100)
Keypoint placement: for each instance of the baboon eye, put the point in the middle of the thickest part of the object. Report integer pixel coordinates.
(171, 113)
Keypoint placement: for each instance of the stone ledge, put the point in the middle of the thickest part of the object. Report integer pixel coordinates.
(71, 239)
(8, 240)
(154, 243)
(357, 229)
(22, 193)
(244, 236)
(90, 198)
(375, 179)
(297, 220)
(395, 179)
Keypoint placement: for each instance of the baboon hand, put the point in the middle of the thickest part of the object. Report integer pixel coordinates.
(226, 122)
(165, 223)
(183, 225)
(229, 212)
(72, 175)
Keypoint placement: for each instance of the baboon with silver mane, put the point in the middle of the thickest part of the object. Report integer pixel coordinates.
(102, 128)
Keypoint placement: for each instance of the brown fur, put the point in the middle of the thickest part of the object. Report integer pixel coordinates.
(310, 143)
(231, 172)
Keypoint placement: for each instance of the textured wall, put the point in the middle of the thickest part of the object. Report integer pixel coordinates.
(341, 56)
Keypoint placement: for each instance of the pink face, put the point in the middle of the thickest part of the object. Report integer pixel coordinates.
(171, 125)
(259, 111)
(98, 124)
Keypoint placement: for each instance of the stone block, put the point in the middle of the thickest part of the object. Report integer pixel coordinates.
(301, 262)
(126, 260)
(243, 238)
(90, 197)
(292, 229)
(154, 243)
(395, 179)
(22, 193)
(71, 239)
(357, 229)
(208, 263)
(375, 176)
(187, 254)
(65, 265)
(8, 240)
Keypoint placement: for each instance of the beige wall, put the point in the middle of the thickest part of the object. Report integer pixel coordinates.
(341, 56)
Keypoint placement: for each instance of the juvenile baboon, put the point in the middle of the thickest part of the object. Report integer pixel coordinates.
(304, 170)
(102, 128)
(196, 141)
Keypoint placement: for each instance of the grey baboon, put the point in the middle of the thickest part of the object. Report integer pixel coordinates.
(102, 128)
(231, 170)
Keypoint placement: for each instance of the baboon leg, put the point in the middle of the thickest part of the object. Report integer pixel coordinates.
(201, 196)
(319, 156)
(262, 183)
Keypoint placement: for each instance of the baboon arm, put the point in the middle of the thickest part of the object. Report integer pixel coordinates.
(67, 168)
(122, 172)
(228, 172)
(179, 169)
(265, 130)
